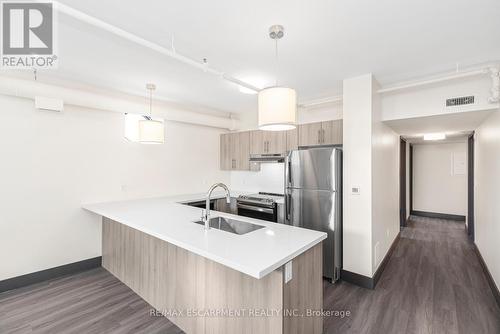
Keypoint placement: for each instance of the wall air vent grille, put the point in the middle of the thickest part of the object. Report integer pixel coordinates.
(460, 101)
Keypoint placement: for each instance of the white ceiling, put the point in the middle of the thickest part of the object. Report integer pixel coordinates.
(456, 126)
(325, 41)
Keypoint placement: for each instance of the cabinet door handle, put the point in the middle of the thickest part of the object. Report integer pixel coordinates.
(323, 136)
(319, 136)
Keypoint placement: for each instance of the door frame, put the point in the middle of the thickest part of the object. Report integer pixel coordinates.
(402, 182)
(470, 187)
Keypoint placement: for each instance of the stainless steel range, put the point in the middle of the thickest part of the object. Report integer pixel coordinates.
(266, 206)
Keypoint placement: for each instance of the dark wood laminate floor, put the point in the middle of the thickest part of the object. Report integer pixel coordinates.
(433, 283)
(90, 302)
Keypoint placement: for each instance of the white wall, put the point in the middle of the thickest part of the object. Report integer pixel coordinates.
(385, 184)
(320, 113)
(270, 178)
(436, 188)
(51, 163)
(487, 193)
(430, 100)
(357, 209)
(371, 162)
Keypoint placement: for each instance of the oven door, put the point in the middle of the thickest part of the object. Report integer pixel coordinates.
(258, 212)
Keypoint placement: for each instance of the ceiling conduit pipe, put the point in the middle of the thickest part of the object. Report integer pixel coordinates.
(29, 89)
(493, 71)
(172, 53)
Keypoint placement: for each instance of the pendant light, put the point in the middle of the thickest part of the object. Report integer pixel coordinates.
(151, 131)
(277, 105)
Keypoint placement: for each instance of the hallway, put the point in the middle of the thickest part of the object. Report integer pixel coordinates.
(433, 283)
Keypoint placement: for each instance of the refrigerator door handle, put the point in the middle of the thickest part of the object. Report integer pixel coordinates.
(289, 163)
(288, 204)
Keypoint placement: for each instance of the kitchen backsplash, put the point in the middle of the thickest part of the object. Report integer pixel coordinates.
(270, 178)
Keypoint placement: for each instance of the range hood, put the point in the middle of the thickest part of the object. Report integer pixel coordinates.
(267, 157)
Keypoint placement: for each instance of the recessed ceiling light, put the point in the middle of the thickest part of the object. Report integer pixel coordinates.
(434, 136)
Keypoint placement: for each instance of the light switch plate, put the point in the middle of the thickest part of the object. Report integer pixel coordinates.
(288, 272)
(355, 190)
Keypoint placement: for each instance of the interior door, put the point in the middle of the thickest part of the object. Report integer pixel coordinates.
(470, 187)
(402, 182)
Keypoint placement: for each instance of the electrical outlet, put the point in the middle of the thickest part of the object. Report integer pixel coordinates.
(355, 190)
(288, 272)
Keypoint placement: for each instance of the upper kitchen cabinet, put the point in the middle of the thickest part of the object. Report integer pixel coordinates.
(332, 132)
(321, 133)
(310, 134)
(292, 139)
(267, 142)
(235, 151)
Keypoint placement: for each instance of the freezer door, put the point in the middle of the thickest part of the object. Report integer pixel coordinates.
(318, 210)
(313, 168)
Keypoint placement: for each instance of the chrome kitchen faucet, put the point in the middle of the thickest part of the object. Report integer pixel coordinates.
(206, 216)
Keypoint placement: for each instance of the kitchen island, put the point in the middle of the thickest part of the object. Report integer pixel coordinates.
(213, 281)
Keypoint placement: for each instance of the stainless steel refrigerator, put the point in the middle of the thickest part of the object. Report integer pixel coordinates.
(313, 199)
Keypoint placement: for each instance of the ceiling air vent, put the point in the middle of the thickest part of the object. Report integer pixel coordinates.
(460, 101)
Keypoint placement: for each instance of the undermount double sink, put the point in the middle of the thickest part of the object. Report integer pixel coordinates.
(231, 225)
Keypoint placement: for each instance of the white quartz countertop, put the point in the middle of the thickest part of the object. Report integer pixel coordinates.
(256, 253)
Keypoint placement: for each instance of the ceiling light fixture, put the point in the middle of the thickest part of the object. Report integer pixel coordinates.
(277, 105)
(434, 136)
(151, 131)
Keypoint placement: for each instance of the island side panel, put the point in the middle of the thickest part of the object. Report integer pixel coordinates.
(305, 292)
(171, 278)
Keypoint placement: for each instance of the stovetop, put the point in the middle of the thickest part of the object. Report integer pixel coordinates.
(261, 197)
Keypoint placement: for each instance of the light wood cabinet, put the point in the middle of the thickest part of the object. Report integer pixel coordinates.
(310, 134)
(267, 142)
(321, 133)
(235, 151)
(332, 132)
(236, 147)
(169, 277)
(225, 151)
(292, 139)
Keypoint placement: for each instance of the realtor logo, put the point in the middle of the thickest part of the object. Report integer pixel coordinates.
(28, 35)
